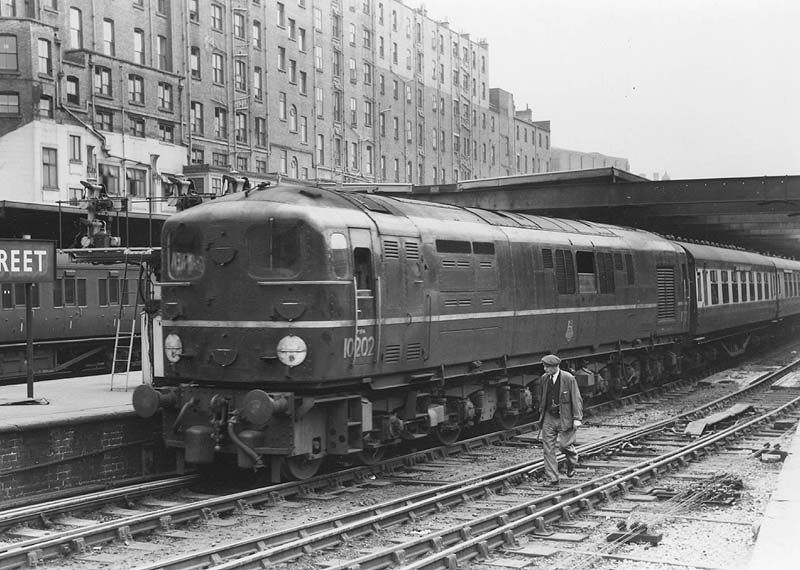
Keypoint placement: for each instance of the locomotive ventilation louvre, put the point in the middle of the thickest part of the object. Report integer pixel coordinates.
(391, 354)
(666, 293)
(391, 249)
(413, 351)
(412, 250)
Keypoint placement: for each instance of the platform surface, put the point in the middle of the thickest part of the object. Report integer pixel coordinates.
(778, 544)
(64, 400)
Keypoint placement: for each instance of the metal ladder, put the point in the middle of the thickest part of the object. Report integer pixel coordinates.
(125, 334)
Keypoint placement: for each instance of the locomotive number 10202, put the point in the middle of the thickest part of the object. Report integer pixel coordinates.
(359, 347)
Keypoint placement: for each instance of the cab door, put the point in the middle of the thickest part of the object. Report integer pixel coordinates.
(361, 345)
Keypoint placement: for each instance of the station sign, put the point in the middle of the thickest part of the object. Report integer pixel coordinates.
(27, 261)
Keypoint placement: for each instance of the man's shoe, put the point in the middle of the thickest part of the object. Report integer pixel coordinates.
(552, 483)
(570, 471)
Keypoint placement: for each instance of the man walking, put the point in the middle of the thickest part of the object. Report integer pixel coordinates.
(560, 414)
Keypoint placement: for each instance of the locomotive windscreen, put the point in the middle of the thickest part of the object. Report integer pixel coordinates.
(276, 249)
(184, 248)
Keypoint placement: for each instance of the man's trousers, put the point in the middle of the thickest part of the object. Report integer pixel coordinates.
(552, 434)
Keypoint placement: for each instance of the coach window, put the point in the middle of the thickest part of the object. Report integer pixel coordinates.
(7, 296)
(767, 288)
(19, 295)
(714, 287)
(13, 295)
(700, 289)
(58, 293)
(751, 285)
(69, 291)
(113, 290)
(745, 290)
(726, 292)
(735, 285)
(102, 292)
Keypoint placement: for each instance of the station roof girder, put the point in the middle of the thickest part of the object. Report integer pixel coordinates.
(758, 213)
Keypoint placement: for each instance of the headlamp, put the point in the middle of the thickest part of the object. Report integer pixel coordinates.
(292, 350)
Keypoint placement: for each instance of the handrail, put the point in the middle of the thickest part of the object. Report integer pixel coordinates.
(172, 283)
(320, 282)
(378, 318)
(355, 319)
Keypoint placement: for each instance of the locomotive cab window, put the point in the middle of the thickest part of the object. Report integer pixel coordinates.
(276, 248)
(362, 269)
(185, 256)
(338, 245)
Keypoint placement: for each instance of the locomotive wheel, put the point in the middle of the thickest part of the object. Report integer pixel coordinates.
(371, 456)
(299, 468)
(505, 421)
(445, 435)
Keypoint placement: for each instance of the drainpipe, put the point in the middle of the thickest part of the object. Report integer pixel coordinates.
(187, 54)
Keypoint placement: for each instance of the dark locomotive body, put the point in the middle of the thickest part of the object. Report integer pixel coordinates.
(74, 320)
(299, 323)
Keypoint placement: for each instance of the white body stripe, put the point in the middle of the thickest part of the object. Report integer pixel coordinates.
(403, 320)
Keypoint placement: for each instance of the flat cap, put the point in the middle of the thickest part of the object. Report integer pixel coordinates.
(551, 360)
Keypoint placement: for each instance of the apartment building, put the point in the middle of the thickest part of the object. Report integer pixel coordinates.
(131, 92)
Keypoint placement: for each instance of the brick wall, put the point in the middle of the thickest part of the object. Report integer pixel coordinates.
(60, 457)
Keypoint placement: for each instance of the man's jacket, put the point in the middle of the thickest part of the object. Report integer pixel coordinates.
(570, 402)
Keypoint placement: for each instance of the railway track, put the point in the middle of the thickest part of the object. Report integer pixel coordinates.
(119, 502)
(286, 546)
(292, 542)
(477, 538)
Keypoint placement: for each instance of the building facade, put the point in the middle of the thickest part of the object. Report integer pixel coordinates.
(133, 91)
(564, 159)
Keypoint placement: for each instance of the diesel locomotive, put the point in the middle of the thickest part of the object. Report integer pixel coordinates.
(299, 323)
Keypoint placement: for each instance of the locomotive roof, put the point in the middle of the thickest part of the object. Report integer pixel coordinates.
(340, 205)
(296, 195)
